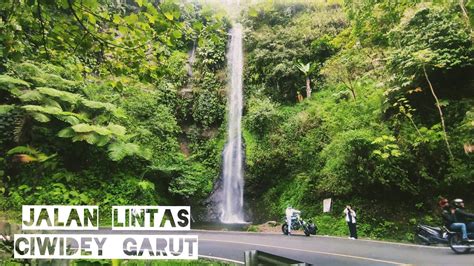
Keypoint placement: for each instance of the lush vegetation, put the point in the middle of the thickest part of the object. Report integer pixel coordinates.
(387, 119)
(123, 102)
(102, 104)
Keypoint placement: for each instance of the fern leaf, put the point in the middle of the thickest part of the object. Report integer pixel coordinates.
(40, 117)
(31, 96)
(81, 116)
(102, 140)
(42, 109)
(146, 154)
(98, 105)
(90, 138)
(85, 128)
(119, 113)
(27, 70)
(146, 185)
(119, 150)
(72, 120)
(117, 129)
(7, 82)
(6, 108)
(51, 103)
(66, 133)
(62, 95)
(26, 154)
(23, 149)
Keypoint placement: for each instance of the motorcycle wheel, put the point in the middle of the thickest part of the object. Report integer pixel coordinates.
(284, 228)
(306, 231)
(455, 243)
(421, 239)
(312, 229)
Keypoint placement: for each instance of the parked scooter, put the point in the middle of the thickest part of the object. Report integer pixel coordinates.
(428, 235)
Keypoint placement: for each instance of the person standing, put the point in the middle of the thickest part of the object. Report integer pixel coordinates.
(289, 214)
(351, 221)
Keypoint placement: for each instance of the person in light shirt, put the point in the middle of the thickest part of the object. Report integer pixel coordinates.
(289, 214)
(351, 221)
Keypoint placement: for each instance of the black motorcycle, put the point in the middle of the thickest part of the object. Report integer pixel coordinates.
(429, 235)
(457, 244)
(297, 223)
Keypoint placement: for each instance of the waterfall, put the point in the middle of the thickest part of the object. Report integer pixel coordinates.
(232, 196)
(191, 59)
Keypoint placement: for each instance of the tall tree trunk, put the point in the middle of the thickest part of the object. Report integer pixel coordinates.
(43, 31)
(308, 88)
(465, 15)
(353, 93)
(440, 113)
(414, 125)
(352, 89)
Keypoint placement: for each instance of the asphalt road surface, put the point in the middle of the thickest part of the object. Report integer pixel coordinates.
(316, 250)
(320, 250)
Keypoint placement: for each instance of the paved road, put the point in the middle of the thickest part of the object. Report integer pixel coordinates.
(318, 250)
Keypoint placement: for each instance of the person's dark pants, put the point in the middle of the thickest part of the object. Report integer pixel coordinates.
(352, 229)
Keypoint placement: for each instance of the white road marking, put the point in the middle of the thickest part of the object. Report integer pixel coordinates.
(386, 242)
(324, 236)
(305, 250)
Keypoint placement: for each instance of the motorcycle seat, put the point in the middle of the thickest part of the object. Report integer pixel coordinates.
(436, 228)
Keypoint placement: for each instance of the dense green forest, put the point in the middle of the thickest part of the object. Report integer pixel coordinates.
(387, 111)
(123, 103)
(101, 104)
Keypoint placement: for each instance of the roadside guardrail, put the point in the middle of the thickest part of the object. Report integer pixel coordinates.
(257, 257)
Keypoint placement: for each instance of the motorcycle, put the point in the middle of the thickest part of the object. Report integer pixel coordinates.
(457, 244)
(297, 223)
(429, 235)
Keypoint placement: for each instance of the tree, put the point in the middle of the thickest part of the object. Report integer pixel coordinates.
(89, 102)
(346, 68)
(106, 37)
(424, 58)
(429, 41)
(290, 37)
(306, 69)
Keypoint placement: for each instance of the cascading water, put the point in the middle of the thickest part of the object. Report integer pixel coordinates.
(191, 59)
(232, 196)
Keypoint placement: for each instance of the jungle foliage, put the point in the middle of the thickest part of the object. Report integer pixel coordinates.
(388, 118)
(123, 102)
(101, 103)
